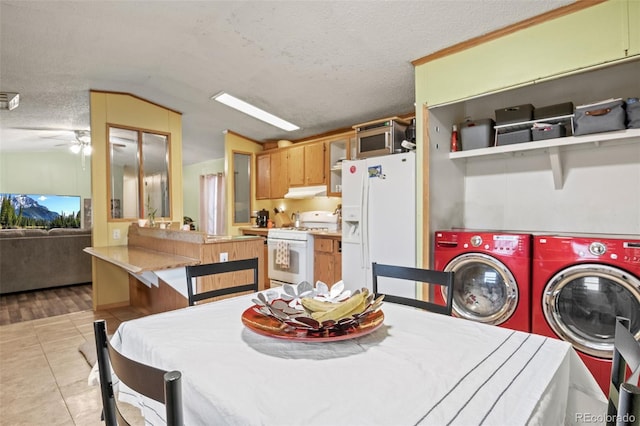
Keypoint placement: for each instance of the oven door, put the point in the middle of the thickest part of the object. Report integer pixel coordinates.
(297, 270)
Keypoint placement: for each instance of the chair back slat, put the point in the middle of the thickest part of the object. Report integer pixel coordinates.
(624, 394)
(439, 278)
(209, 269)
(160, 385)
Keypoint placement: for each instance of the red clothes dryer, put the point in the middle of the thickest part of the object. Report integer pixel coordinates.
(580, 284)
(491, 275)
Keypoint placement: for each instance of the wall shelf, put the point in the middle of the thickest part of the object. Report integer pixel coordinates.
(553, 146)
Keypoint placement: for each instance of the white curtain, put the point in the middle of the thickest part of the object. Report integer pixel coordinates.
(212, 204)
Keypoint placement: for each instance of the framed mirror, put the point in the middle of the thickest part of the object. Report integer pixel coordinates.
(155, 175)
(138, 174)
(123, 174)
(241, 169)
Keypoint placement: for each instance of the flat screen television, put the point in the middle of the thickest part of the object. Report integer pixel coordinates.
(40, 211)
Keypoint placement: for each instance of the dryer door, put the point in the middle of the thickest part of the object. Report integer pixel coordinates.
(581, 303)
(484, 288)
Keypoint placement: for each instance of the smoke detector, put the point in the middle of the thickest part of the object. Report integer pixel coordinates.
(9, 100)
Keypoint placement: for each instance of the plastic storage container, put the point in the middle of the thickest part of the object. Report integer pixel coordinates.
(477, 134)
(517, 136)
(514, 114)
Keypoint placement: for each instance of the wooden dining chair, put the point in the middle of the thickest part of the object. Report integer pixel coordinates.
(160, 385)
(220, 268)
(439, 278)
(624, 393)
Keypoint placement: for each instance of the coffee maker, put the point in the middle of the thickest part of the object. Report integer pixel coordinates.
(262, 218)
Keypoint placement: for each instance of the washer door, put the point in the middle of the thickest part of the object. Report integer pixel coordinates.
(581, 303)
(484, 289)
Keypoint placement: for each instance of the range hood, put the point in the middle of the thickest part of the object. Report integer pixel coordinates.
(300, 192)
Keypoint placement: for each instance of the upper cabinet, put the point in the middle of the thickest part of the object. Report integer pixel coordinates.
(337, 150)
(595, 35)
(306, 164)
(279, 183)
(272, 174)
(263, 176)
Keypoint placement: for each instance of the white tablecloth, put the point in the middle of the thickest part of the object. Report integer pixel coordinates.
(418, 368)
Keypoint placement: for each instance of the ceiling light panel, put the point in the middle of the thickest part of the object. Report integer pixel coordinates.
(9, 100)
(255, 112)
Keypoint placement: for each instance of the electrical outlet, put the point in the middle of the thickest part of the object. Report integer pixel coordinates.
(224, 257)
(116, 234)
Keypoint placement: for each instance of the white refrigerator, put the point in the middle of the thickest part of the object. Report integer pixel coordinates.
(378, 220)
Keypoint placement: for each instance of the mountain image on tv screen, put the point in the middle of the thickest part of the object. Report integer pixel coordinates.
(40, 211)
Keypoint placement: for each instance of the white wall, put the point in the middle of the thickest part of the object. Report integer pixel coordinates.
(58, 173)
(600, 191)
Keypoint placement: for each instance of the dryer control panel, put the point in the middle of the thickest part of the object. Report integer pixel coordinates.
(488, 242)
(621, 252)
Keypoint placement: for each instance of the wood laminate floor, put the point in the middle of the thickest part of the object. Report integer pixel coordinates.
(31, 305)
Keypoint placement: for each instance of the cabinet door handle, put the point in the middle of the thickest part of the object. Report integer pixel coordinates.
(598, 112)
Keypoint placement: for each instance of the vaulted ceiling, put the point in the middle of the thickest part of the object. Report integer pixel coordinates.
(322, 65)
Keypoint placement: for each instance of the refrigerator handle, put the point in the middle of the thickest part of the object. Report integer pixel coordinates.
(364, 219)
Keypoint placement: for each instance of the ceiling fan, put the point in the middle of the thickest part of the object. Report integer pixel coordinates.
(81, 145)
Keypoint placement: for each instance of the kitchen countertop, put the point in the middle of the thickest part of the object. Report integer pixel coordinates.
(138, 260)
(334, 235)
(195, 237)
(254, 230)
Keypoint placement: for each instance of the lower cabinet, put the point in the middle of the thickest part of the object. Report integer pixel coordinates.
(327, 264)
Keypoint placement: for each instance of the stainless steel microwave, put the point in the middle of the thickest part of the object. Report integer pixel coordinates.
(380, 138)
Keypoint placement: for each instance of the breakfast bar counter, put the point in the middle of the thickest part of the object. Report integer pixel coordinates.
(155, 261)
(136, 259)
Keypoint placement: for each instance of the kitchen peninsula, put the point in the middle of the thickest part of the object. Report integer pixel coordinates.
(155, 259)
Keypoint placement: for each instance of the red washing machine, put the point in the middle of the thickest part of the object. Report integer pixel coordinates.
(492, 279)
(580, 285)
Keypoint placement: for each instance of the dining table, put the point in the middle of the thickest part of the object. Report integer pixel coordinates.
(413, 368)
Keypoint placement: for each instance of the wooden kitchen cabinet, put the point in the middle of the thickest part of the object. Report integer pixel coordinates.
(272, 174)
(338, 149)
(314, 164)
(327, 264)
(263, 176)
(279, 174)
(307, 164)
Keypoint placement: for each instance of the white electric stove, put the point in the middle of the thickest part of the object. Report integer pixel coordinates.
(299, 243)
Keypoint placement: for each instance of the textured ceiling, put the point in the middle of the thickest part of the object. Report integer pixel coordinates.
(322, 65)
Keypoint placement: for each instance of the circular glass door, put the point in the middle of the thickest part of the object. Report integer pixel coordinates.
(484, 290)
(581, 303)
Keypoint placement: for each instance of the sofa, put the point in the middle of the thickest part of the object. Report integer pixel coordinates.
(32, 259)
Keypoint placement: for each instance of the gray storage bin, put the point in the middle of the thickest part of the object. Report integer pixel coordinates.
(633, 115)
(553, 131)
(517, 136)
(477, 134)
(514, 114)
(605, 116)
(557, 110)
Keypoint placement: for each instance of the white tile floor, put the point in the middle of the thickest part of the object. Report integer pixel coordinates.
(43, 376)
